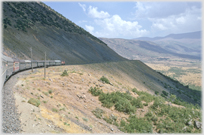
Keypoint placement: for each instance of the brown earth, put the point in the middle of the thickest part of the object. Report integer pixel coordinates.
(66, 103)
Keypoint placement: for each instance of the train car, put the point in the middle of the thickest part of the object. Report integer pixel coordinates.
(16, 66)
(57, 62)
(10, 66)
(7, 68)
(63, 62)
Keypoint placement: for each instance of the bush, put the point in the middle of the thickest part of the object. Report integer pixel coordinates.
(156, 92)
(54, 110)
(98, 112)
(123, 105)
(159, 101)
(50, 91)
(134, 90)
(137, 103)
(145, 104)
(138, 125)
(165, 93)
(34, 102)
(95, 91)
(122, 123)
(104, 79)
(106, 100)
(64, 73)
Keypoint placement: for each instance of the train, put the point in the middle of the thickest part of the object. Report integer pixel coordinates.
(11, 66)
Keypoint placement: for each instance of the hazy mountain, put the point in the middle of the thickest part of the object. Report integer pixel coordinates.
(34, 24)
(191, 35)
(186, 45)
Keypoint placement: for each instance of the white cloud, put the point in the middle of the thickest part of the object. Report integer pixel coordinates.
(93, 12)
(89, 28)
(117, 27)
(170, 17)
(83, 6)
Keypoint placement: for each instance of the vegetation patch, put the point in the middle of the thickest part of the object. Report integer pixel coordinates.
(95, 91)
(34, 102)
(98, 112)
(54, 110)
(64, 73)
(104, 79)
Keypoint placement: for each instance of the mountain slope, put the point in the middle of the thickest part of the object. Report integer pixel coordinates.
(33, 24)
(151, 50)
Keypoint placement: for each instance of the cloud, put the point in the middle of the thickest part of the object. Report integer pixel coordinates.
(93, 12)
(115, 26)
(83, 6)
(170, 17)
(89, 28)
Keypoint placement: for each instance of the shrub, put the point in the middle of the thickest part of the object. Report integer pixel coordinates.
(64, 73)
(104, 79)
(123, 105)
(34, 102)
(122, 123)
(85, 119)
(45, 93)
(159, 101)
(54, 110)
(137, 103)
(165, 93)
(106, 100)
(156, 92)
(145, 104)
(134, 90)
(50, 91)
(98, 112)
(95, 91)
(138, 125)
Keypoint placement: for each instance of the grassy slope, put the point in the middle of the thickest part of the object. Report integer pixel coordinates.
(145, 78)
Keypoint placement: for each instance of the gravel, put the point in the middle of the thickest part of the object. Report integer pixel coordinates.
(10, 116)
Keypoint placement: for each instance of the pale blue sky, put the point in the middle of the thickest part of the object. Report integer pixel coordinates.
(132, 19)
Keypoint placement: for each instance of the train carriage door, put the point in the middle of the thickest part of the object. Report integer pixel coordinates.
(15, 66)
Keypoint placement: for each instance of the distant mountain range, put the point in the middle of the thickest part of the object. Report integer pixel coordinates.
(191, 35)
(185, 45)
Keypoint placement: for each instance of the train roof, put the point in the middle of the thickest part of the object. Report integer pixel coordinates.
(5, 58)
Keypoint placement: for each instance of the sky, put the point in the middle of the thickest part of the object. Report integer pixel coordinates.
(132, 19)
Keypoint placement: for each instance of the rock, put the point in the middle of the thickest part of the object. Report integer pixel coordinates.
(184, 128)
(89, 75)
(142, 110)
(189, 123)
(111, 129)
(84, 96)
(198, 124)
(111, 84)
(169, 104)
(82, 80)
(41, 96)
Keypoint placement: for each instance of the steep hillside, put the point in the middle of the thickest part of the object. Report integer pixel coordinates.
(33, 24)
(111, 97)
